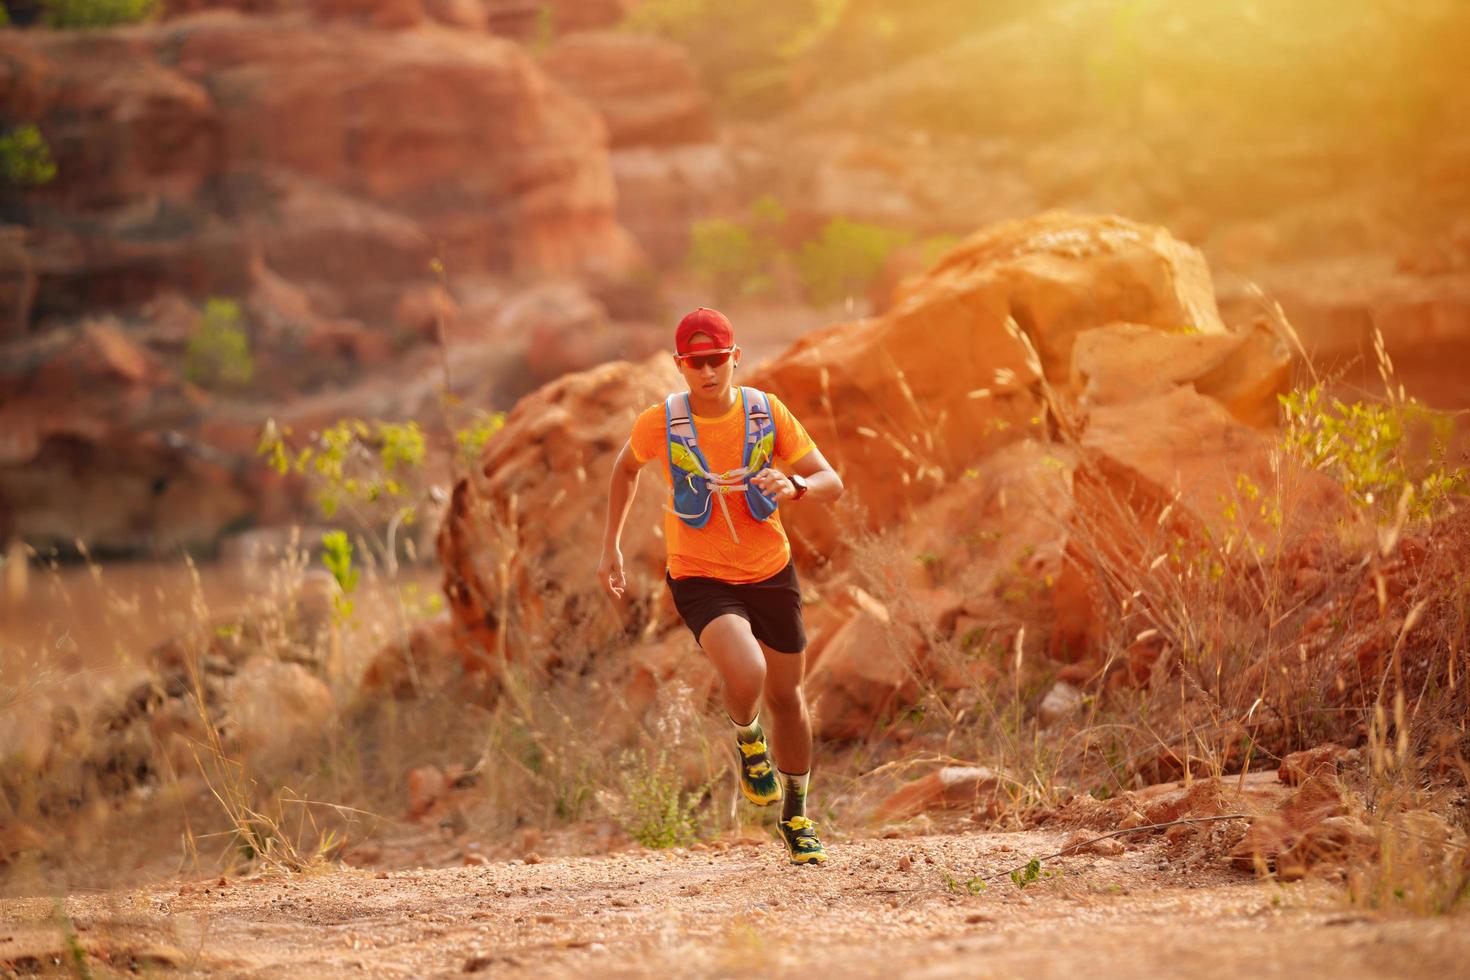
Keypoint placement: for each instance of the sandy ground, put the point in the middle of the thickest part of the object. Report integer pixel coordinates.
(880, 907)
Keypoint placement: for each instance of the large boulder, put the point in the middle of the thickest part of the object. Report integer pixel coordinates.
(460, 132)
(1170, 482)
(869, 666)
(521, 539)
(942, 380)
(385, 14)
(1185, 448)
(1244, 370)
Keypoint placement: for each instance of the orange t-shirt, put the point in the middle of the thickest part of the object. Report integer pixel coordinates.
(709, 551)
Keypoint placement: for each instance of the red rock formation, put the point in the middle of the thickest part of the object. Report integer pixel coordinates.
(645, 88)
(518, 545)
(346, 156)
(17, 284)
(91, 447)
(309, 171)
(905, 402)
(538, 20)
(670, 169)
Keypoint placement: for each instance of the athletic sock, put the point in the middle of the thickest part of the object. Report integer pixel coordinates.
(748, 733)
(793, 803)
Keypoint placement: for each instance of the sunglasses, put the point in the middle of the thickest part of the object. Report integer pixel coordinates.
(712, 359)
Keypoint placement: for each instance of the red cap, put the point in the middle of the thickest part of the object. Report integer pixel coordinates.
(712, 323)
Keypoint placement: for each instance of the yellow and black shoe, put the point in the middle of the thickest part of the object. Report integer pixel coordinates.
(757, 776)
(800, 835)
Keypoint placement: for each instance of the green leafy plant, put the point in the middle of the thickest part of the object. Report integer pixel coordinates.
(1027, 875)
(1365, 446)
(973, 885)
(218, 355)
(739, 258)
(337, 556)
(724, 255)
(845, 258)
(746, 257)
(657, 811)
(471, 440)
(355, 463)
(77, 14)
(370, 473)
(25, 157)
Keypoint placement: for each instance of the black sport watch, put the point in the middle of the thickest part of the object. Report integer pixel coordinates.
(800, 484)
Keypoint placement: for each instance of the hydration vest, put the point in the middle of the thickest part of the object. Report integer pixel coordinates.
(695, 488)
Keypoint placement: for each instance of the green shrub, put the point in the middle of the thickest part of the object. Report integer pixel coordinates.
(97, 13)
(845, 259)
(1366, 447)
(472, 438)
(337, 556)
(656, 810)
(374, 468)
(724, 256)
(739, 258)
(25, 159)
(218, 355)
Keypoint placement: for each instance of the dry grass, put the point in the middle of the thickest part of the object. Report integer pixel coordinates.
(154, 774)
(1222, 649)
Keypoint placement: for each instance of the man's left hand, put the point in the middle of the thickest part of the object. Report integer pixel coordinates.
(774, 484)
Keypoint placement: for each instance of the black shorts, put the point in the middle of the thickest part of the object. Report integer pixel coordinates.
(772, 607)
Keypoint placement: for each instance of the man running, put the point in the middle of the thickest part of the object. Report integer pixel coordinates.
(729, 562)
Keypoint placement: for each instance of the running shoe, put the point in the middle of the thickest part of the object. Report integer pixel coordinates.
(757, 776)
(800, 835)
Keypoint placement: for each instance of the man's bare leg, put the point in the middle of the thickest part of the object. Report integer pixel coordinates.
(786, 711)
(791, 737)
(737, 657)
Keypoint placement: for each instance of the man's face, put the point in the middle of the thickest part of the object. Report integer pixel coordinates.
(708, 372)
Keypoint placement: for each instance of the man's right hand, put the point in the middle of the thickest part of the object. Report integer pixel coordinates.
(610, 573)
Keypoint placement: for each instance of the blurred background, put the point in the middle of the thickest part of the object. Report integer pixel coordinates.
(244, 242)
(216, 214)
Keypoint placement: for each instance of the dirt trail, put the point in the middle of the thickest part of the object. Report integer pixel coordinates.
(738, 909)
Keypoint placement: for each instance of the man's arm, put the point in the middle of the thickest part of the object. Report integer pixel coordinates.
(621, 487)
(823, 485)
